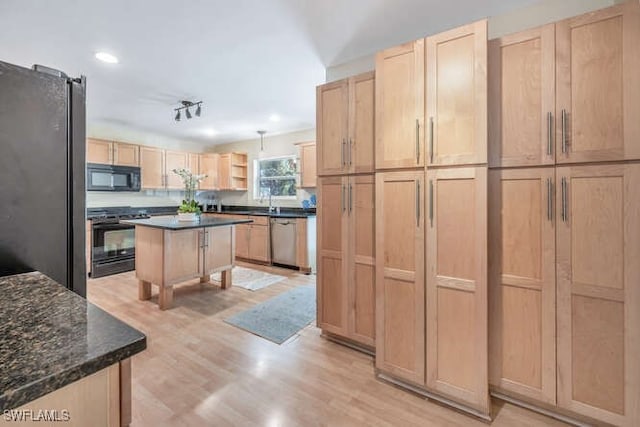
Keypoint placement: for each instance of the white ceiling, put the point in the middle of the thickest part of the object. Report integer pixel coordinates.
(246, 59)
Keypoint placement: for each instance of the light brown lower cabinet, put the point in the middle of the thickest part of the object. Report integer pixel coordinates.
(346, 304)
(456, 295)
(400, 284)
(522, 283)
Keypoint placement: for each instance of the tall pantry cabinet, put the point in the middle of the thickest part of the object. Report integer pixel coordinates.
(432, 223)
(346, 210)
(565, 216)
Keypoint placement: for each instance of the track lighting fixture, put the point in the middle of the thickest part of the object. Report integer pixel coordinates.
(185, 106)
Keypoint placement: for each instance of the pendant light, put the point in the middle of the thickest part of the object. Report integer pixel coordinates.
(261, 133)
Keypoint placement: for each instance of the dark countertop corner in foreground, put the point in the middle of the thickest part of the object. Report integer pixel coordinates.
(51, 337)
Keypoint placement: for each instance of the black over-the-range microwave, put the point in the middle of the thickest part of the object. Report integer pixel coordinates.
(112, 178)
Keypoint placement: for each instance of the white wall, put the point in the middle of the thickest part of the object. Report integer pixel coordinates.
(274, 146)
(540, 13)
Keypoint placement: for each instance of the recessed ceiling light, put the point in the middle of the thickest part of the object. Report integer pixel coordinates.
(107, 57)
(274, 118)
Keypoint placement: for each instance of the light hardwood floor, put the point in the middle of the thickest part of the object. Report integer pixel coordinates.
(199, 371)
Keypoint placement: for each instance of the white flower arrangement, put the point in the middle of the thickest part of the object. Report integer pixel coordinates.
(190, 180)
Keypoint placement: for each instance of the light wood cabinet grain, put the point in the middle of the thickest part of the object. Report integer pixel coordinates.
(361, 123)
(598, 85)
(522, 282)
(399, 106)
(457, 285)
(209, 166)
(174, 160)
(152, 167)
(400, 285)
(522, 98)
(259, 243)
(598, 273)
(193, 163)
(99, 151)
(242, 241)
(456, 95)
(219, 245)
(307, 154)
(126, 154)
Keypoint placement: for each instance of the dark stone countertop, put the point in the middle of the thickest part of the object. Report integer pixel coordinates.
(172, 223)
(288, 213)
(51, 337)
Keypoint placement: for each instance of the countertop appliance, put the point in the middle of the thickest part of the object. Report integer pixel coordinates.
(42, 174)
(283, 241)
(113, 243)
(101, 177)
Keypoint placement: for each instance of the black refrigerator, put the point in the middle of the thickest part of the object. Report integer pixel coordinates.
(42, 174)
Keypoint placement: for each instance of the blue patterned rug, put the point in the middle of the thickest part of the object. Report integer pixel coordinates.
(280, 317)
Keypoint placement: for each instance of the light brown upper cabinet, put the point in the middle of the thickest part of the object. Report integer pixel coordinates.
(347, 302)
(457, 285)
(456, 96)
(209, 166)
(598, 85)
(112, 153)
(522, 282)
(598, 272)
(400, 285)
(400, 106)
(232, 171)
(345, 126)
(152, 167)
(332, 243)
(193, 163)
(174, 160)
(522, 98)
(307, 155)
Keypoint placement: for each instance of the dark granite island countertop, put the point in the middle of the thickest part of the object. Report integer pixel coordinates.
(172, 223)
(51, 337)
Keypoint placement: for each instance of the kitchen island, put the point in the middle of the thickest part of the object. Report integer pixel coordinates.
(62, 357)
(169, 251)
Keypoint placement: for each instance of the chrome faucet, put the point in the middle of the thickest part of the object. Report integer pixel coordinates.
(268, 191)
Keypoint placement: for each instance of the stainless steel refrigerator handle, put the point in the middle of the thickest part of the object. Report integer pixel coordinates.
(549, 200)
(431, 203)
(431, 139)
(549, 133)
(564, 199)
(350, 150)
(564, 131)
(417, 140)
(417, 203)
(342, 198)
(350, 198)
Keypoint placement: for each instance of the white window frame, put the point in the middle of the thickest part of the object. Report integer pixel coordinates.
(256, 177)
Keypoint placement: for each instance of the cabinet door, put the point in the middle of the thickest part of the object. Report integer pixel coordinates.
(361, 259)
(183, 254)
(193, 163)
(332, 102)
(99, 151)
(126, 154)
(361, 123)
(174, 160)
(399, 106)
(209, 167)
(522, 98)
(218, 249)
(332, 253)
(457, 95)
(522, 283)
(242, 241)
(598, 85)
(307, 165)
(457, 285)
(400, 303)
(224, 171)
(598, 248)
(259, 247)
(152, 167)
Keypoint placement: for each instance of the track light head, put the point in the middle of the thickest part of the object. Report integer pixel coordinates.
(177, 118)
(198, 110)
(187, 113)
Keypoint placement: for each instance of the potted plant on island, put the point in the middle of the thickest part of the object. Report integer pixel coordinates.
(189, 209)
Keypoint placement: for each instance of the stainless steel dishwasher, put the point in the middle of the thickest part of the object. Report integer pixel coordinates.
(283, 241)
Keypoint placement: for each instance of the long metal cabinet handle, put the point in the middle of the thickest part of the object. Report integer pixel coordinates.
(344, 143)
(549, 133)
(342, 198)
(350, 150)
(564, 131)
(417, 141)
(549, 200)
(431, 139)
(564, 199)
(350, 198)
(417, 203)
(431, 203)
